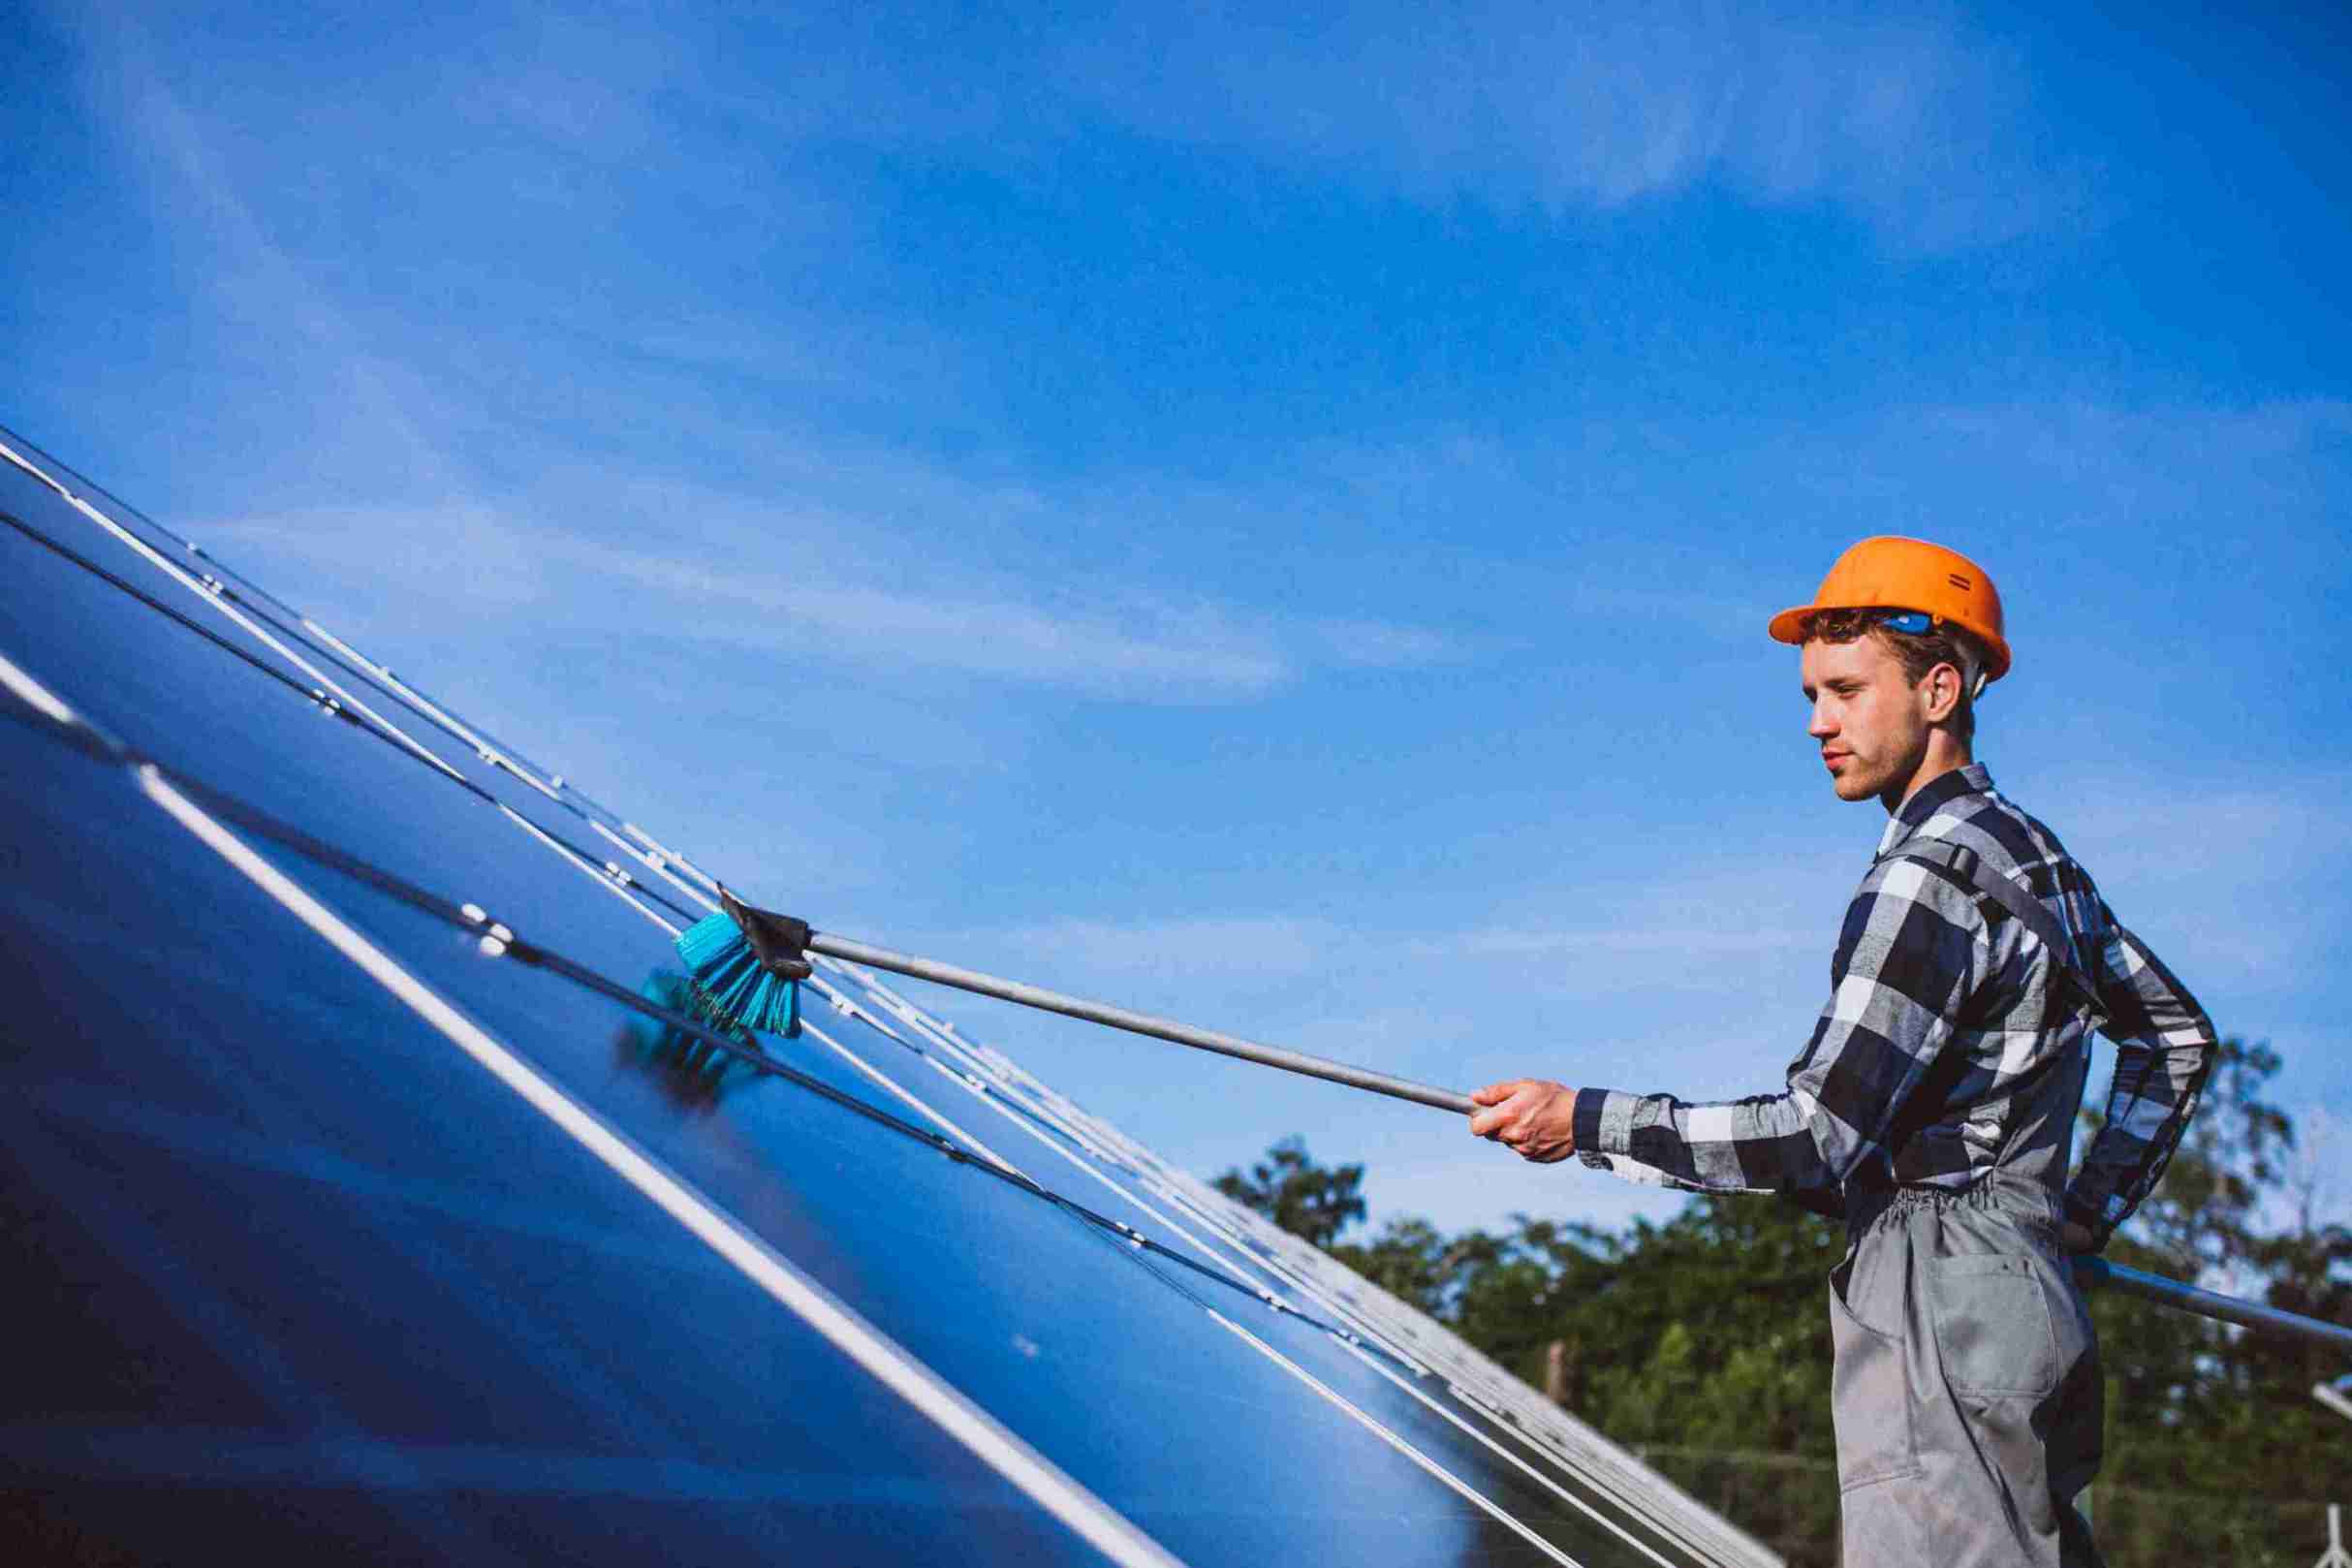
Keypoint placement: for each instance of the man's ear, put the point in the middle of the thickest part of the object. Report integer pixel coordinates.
(1942, 690)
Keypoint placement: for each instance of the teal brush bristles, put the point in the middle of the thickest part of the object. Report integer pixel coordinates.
(731, 983)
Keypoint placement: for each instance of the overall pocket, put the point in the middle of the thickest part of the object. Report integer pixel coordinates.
(1993, 1325)
(1869, 1392)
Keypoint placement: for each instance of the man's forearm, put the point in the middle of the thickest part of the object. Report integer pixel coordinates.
(1759, 1145)
(2166, 1047)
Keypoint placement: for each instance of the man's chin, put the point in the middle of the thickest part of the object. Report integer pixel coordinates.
(1852, 787)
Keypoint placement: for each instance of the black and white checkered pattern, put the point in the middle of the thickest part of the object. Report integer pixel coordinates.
(1951, 1043)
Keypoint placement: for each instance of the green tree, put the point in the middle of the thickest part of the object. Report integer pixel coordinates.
(2197, 1408)
(1703, 1341)
(1413, 1261)
(1288, 1187)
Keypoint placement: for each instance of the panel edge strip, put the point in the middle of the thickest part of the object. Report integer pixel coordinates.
(1001, 1450)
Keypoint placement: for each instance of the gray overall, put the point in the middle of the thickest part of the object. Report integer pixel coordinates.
(1966, 1392)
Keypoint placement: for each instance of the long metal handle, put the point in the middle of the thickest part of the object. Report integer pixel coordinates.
(2088, 1271)
(2270, 1320)
(1120, 1018)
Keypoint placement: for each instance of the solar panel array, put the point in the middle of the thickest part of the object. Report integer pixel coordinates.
(362, 1196)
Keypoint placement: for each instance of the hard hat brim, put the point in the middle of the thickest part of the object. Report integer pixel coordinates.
(1789, 627)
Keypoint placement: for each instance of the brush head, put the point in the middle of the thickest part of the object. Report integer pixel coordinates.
(744, 967)
(780, 941)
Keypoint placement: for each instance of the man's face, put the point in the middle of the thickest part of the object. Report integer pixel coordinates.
(1871, 722)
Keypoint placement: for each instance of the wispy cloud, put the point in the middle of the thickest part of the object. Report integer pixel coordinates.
(2233, 882)
(1382, 645)
(1921, 125)
(890, 560)
(2223, 465)
(1250, 951)
(1260, 946)
(275, 304)
(1550, 942)
(822, 588)
(1158, 650)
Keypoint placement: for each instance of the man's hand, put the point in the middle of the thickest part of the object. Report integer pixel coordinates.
(2077, 1239)
(1533, 1115)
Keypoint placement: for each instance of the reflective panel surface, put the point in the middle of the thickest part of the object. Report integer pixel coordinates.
(359, 1241)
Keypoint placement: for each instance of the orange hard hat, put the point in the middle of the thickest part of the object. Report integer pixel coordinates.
(1891, 573)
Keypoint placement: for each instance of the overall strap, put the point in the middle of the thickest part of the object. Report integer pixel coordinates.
(2034, 915)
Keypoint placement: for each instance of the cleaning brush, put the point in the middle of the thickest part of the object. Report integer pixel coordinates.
(744, 968)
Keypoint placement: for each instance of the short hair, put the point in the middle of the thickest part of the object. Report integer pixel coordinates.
(1918, 653)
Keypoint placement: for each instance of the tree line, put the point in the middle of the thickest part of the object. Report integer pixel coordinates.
(1702, 1342)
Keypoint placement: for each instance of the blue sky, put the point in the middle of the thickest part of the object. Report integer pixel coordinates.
(1261, 521)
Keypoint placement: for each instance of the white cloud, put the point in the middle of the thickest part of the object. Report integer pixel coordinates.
(1156, 651)
(805, 581)
(1662, 920)
(1258, 946)
(1540, 942)
(1381, 646)
(2222, 465)
(280, 314)
(1917, 121)
(1913, 120)
(1324, 982)
(427, 559)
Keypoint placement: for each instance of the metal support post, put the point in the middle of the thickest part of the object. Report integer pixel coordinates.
(2335, 1556)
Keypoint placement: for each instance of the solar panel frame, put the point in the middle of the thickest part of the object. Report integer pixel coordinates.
(166, 1154)
(1366, 1350)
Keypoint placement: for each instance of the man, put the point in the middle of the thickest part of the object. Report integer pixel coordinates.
(1935, 1106)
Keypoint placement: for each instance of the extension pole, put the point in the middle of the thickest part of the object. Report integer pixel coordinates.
(2270, 1320)
(2088, 1271)
(1120, 1018)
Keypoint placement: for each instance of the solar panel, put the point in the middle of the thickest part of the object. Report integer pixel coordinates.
(360, 1199)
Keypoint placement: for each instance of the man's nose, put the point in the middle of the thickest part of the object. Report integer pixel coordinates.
(1822, 726)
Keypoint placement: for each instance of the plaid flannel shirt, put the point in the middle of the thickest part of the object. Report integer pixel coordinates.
(1952, 1043)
